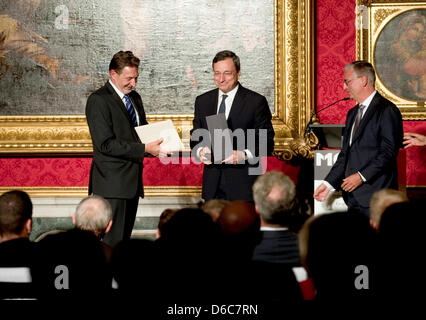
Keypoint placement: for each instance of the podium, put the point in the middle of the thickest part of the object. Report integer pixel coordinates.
(329, 135)
(330, 138)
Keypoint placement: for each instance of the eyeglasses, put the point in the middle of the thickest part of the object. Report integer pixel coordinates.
(225, 74)
(349, 81)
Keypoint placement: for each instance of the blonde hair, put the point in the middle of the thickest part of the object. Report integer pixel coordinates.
(383, 199)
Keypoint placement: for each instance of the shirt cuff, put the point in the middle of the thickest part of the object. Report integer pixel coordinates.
(329, 186)
(362, 177)
(248, 153)
(198, 152)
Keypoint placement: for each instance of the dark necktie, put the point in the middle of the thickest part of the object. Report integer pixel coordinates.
(131, 110)
(356, 125)
(357, 120)
(222, 106)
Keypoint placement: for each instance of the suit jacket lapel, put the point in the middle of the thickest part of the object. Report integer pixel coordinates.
(118, 101)
(367, 116)
(237, 105)
(212, 107)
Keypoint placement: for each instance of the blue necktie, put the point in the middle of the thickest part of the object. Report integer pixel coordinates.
(222, 106)
(131, 110)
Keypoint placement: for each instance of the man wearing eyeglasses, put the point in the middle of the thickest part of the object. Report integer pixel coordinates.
(246, 112)
(372, 138)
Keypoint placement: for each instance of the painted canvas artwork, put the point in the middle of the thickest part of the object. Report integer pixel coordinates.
(55, 53)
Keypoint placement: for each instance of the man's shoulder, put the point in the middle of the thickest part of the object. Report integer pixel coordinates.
(17, 250)
(385, 104)
(250, 92)
(102, 90)
(208, 94)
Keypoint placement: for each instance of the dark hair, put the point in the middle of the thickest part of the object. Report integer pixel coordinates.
(165, 216)
(123, 59)
(15, 208)
(222, 55)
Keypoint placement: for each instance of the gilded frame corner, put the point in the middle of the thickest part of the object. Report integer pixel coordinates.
(372, 17)
(294, 95)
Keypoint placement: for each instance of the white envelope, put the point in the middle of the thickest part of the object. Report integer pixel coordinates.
(163, 129)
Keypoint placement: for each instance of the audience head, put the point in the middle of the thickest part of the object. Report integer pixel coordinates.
(401, 246)
(164, 217)
(332, 246)
(238, 217)
(274, 195)
(214, 207)
(16, 210)
(71, 260)
(134, 266)
(240, 225)
(93, 214)
(380, 201)
(189, 232)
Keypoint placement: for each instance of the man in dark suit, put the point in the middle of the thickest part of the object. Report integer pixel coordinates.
(274, 197)
(372, 138)
(249, 119)
(112, 114)
(18, 255)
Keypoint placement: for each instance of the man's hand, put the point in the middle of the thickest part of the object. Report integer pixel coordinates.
(321, 192)
(351, 182)
(154, 147)
(205, 155)
(237, 157)
(412, 139)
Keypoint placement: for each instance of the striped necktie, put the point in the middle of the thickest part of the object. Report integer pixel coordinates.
(131, 110)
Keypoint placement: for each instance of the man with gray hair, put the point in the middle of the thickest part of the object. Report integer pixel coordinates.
(371, 141)
(94, 214)
(274, 197)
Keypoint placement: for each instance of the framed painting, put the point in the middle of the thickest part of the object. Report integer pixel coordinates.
(53, 54)
(392, 35)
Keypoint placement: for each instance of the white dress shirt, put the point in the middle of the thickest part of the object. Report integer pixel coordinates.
(228, 101)
(121, 95)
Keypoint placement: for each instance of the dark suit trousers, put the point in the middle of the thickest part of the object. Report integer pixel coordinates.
(354, 205)
(124, 215)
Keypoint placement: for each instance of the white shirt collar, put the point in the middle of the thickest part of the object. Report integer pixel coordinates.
(231, 94)
(263, 228)
(120, 94)
(367, 101)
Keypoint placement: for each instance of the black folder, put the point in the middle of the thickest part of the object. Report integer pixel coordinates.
(220, 136)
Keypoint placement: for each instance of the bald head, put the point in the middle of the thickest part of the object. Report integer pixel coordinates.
(238, 217)
(93, 213)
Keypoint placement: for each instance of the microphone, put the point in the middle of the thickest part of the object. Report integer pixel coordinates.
(308, 126)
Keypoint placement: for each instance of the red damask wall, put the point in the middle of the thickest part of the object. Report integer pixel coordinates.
(336, 46)
(74, 172)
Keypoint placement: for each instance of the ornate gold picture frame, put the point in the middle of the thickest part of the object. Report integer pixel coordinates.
(294, 74)
(392, 35)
